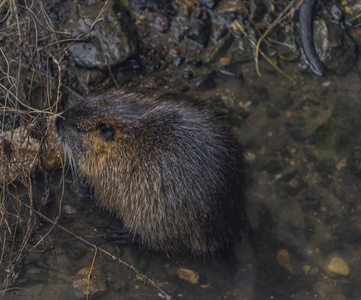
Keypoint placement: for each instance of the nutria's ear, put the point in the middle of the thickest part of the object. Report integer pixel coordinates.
(106, 130)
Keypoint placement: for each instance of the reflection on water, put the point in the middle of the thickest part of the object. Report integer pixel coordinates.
(303, 144)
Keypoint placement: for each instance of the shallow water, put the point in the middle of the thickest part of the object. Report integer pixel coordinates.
(303, 206)
(303, 143)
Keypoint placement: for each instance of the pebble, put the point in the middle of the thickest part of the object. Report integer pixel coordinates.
(284, 260)
(67, 209)
(342, 164)
(338, 266)
(225, 61)
(94, 287)
(188, 275)
(187, 75)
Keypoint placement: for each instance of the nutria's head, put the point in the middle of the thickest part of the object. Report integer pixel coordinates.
(96, 129)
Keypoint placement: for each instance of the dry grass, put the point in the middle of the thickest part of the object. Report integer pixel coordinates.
(29, 93)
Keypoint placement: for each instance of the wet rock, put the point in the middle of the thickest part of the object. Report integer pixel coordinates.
(338, 266)
(187, 74)
(298, 135)
(294, 186)
(325, 181)
(325, 167)
(194, 62)
(272, 111)
(68, 209)
(289, 224)
(177, 61)
(352, 17)
(232, 70)
(178, 29)
(257, 94)
(221, 48)
(342, 164)
(334, 46)
(154, 82)
(112, 35)
(329, 289)
(131, 64)
(282, 100)
(188, 275)
(272, 167)
(217, 106)
(336, 13)
(225, 61)
(290, 50)
(331, 246)
(354, 162)
(199, 32)
(183, 88)
(89, 79)
(218, 32)
(257, 9)
(336, 131)
(349, 234)
(163, 7)
(311, 203)
(161, 24)
(284, 260)
(205, 83)
(287, 174)
(94, 286)
(208, 3)
(244, 52)
(73, 251)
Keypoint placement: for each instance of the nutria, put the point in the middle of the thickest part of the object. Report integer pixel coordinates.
(170, 172)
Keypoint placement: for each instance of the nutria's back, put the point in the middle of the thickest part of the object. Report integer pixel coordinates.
(170, 172)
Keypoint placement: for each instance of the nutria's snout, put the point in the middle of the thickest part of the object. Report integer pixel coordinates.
(59, 124)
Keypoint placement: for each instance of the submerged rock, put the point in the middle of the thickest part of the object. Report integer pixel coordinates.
(282, 100)
(208, 3)
(354, 162)
(336, 131)
(338, 266)
(257, 94)
(93, 286)
(334, 46)
(188, 275)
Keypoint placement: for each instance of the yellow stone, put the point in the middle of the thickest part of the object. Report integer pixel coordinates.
(188, 275)
(283, 258)
(293, 183)
(338, 266)
(342, 164)
(225, 61)
(84, 287)
(306, 269)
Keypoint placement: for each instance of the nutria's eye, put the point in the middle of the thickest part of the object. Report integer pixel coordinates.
(78, 128)
(106, 130)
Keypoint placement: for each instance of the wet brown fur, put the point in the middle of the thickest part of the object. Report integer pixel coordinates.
(173, 174)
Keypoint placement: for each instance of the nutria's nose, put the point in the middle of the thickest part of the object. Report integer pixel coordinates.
(59, 121)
